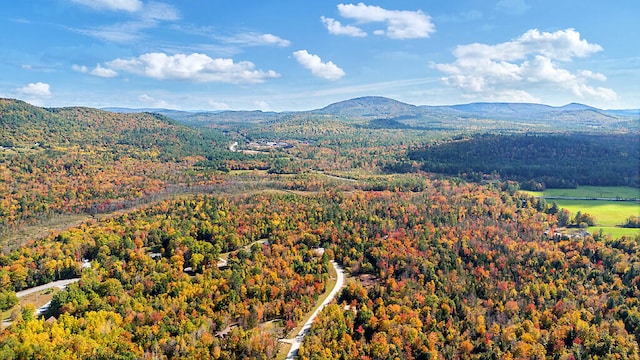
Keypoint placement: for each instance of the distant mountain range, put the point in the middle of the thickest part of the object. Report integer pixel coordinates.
(375, 107)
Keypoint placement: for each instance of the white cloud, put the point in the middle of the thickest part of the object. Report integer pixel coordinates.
(38, 89)
(532, 59)
(103, 72)
(80, 68)
(400, 24)
(97, 71)
(328, 70)
(217, 105)
(562, 45)
(588, 74)
(194, 67)
(262, 105)
(586, 91)
(153, 102)
(116, 5)
(159, 12)
(336, 28)
(256, 39)
(145, 16)
(118, 33)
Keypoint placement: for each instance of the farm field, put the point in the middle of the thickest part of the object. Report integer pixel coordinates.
(609, 214)
(614, 192)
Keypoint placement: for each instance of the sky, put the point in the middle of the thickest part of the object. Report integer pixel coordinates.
(290, 55)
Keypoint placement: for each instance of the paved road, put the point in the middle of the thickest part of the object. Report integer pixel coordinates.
(61, 284)
(295, 344)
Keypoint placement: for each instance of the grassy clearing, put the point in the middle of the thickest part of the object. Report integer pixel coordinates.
(613, 192)
(616, 232)
(607, 213)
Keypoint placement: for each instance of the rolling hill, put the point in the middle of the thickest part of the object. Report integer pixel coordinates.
(575, 117)
(24, 124)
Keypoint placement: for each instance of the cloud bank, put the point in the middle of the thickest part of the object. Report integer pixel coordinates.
(533, 59)
(193, 67)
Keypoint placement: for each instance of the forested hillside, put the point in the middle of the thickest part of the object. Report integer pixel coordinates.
(72, 159)
(223, 242)
(539, 161)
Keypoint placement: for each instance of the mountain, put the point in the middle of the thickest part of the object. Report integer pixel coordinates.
(572, 116)
(369, 106)
(577, 107)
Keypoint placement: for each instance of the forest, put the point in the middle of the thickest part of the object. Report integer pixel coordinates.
(455, 270)
(538, 161)
(196, 250)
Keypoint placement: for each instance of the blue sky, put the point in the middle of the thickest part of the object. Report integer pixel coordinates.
(305, 54)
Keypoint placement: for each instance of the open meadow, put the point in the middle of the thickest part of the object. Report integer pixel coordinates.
(611, 192)
(609, 214)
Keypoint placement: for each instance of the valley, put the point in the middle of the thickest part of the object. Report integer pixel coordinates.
(423, 207)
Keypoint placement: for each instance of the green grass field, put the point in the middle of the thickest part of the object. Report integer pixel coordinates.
(622, 192)
(609, 214)
(616, 232)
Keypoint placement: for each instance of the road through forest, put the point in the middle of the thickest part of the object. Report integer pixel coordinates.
(295, 345)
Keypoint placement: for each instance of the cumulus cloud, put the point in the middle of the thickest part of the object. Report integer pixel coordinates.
(103, 72)
(97, 71)
(38, 89)
(336, 28)
(328, 70)
(534, 58)
(194, 67)
(400, 24)
(115, 5)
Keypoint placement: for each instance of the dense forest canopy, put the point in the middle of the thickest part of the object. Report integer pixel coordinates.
(453, 270)
(223, 236)
(539, 161)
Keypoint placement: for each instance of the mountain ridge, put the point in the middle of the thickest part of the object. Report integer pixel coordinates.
(374, 108)
(377, 100)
